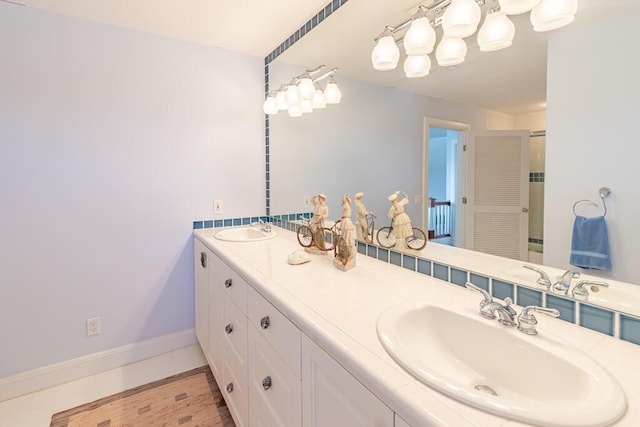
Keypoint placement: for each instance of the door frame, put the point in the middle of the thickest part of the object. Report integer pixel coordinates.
(463, 128)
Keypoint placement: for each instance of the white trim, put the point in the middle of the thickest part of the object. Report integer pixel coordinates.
(445, 124)
(91, 364)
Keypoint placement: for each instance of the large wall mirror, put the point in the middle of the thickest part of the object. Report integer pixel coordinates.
(393, 133)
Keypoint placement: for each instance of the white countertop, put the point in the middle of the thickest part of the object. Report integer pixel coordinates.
(339, 310)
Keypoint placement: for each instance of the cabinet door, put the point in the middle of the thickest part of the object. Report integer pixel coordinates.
(201, 262)
(235, 393)
(332, 397)
(214, 356)
(274, 389)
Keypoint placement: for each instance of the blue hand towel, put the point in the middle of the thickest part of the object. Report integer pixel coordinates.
(590, 244)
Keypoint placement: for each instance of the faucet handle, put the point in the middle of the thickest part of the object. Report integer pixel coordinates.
(527, 321)
(543, 280)
(487, 298)
(580, 290)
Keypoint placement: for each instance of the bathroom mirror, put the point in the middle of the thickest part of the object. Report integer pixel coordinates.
(373, 141)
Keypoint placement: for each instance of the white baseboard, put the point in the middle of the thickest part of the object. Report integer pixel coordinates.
(91, 364)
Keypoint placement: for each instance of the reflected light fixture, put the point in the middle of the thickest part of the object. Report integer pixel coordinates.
(304, 94)
(460, 19)
(270, 105)
(305, 86)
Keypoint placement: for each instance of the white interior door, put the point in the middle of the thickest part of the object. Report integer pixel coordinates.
(497, 200)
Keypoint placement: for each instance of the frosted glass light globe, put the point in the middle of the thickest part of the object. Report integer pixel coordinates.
(553, 14)
(461, 18)
(420, 38)
(497, 32)
(416, 66)
(451, 51)
(386, 54)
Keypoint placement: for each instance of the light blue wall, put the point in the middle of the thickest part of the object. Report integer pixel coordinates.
(111, 143)
(592, 95)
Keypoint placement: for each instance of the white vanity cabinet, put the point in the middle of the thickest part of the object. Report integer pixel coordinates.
(269, 372)
(332, 397)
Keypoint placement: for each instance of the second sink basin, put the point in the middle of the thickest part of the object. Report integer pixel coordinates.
(244, 234)
(536, 379)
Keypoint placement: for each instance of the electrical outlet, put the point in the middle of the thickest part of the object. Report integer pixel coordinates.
(306, 202)
(217, 207)
(93, 326)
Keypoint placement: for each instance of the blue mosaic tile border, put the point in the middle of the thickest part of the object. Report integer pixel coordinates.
(228, 222)
(324, 13)
(610, 322)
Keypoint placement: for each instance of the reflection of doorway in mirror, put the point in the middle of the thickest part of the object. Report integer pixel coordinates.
(536, 195)
(441, 194)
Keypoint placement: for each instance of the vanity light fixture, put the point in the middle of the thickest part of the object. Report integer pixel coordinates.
(460, 19)
(303, 94)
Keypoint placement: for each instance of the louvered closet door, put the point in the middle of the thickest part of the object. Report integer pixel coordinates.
(497, 217)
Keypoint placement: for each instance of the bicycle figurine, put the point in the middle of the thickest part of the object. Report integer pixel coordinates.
(307, 238)
(400, 226)
(336, 242)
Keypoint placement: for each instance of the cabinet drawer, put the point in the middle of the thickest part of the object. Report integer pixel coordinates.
(283, 335)
(233, 286)
(274, 389)
(234, 338)
(235, 394)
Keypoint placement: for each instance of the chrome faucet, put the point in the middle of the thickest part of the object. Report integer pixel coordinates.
(527, 321)
(489, 308)
(580, 291)
(506, 313)
(563, 283)
(543, 280)
(264, 226)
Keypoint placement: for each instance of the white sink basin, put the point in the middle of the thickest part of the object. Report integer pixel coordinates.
(536, 379)
(244, 234)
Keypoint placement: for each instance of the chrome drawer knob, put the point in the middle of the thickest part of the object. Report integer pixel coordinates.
(265, 322)
(228, 283)
(266, 383)
(229, 387)
(229, 328)
(203, 259)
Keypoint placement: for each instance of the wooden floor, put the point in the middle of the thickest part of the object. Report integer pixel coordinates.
(188, 399)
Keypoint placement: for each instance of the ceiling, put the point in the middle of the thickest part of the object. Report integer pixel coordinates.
(512, 80)
(254, 27)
